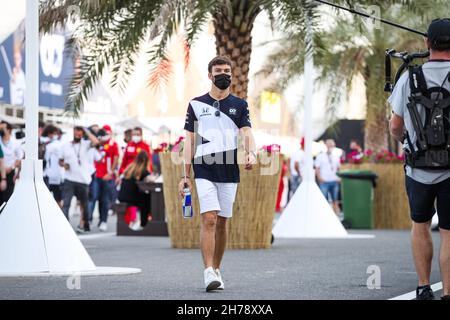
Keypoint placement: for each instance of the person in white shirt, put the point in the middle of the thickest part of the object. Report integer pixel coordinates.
(53, 173)
(13, 154)
(76, 162)
(296, 163)
(327, 165)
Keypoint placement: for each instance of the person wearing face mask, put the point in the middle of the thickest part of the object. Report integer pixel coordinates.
(76, 161)
(13, 154)
(213, 124)
(133, 148)
(53, 173)
(103, 184)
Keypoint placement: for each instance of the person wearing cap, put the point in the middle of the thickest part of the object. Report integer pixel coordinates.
(103, 184)
(424, 186)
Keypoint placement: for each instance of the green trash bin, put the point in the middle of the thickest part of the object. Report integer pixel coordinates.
(357, 197)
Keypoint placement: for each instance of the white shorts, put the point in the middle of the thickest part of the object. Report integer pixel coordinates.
(216, 196)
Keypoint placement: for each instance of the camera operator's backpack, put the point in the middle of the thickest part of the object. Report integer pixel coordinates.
(433, 138)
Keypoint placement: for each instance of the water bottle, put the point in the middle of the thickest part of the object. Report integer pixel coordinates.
(187, 202)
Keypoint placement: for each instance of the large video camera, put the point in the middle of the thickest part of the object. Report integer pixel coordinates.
(406, 58)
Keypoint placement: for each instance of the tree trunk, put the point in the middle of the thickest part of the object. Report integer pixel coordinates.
(234, 40)
(376, 131)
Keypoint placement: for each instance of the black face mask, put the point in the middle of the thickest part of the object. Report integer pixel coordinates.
(76, 140)
(222, 81)
(2, 133)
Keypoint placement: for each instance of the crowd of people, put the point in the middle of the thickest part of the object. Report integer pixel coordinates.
(326, 166)
(90, 167)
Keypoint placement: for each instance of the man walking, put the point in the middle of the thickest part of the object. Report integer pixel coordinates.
(103, 184)
(419, 109)
(327, 165)
(213, 123)
(75, 160)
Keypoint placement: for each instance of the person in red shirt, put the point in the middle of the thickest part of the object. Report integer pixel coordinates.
(103, 186)
(133, 148)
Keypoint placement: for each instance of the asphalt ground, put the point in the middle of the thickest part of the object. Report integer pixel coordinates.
(299, 269)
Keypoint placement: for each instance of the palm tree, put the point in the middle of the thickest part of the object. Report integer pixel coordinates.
(112, 33)
(350, 49)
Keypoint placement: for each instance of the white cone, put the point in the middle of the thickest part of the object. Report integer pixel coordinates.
(308, 215)
(35, 236)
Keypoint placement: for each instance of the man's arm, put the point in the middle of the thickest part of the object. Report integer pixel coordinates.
(397, 127)
(297, 168)
(188, 155)
(249, 146)
(94, 141)
(189, 151)
(319, 177)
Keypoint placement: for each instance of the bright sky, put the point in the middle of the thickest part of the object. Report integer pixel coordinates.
(11, 14)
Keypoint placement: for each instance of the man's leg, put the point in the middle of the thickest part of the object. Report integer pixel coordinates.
(421, 202)
(221, 241)
(105, 198)
(335, 196)
(324, 188)
(444, 261)
(68, 193)
(83, 197)
(94, 194)
(422, 247)
(9, 186)
(207, 237)
(443, 211)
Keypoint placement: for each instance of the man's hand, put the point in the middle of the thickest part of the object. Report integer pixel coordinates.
(108, 177)
(181, 186)
(250, 161)
(3, 185)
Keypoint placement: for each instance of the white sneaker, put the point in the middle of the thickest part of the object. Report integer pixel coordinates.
(103, 227)
(211, 280)
(222, 285)
(136, 226)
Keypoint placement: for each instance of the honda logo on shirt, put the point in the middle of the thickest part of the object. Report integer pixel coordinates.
(205, 112)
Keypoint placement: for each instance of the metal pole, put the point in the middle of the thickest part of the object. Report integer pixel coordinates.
(308, 99)
(32, 79)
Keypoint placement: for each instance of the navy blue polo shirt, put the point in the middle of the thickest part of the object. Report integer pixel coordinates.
(216, 126)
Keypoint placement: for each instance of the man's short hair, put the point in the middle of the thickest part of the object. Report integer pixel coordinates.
(440, 44)
(217, 61)
(7, 124)
(78, 128)
(49, 129)
(138, 129)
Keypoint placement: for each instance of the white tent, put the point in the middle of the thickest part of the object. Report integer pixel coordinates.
(35, 237)
(308, 214)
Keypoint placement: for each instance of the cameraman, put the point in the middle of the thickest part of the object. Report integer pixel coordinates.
(426, 181)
